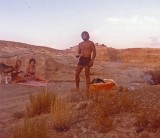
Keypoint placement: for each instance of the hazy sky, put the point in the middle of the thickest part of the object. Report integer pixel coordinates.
(59, 23)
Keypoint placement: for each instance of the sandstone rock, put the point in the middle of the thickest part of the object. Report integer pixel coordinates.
(56, 64)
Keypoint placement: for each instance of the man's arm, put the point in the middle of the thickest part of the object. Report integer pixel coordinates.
(93, 55)
(78, 52)
(93, 52)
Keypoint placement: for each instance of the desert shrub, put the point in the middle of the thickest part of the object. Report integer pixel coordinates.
(102, 121)
(109, 102)
(128, 102)
(148, 119)
(61, 115)
(39, 103)
(113, 102)
(30, 128)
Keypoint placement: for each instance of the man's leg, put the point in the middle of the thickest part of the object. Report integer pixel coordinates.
(77, 78)
(87, 72)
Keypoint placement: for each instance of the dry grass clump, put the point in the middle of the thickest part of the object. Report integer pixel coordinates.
(30, 128)
(113, 101)
(109, 103)
(128, 102)
(102, 121)
(40, 103)
(61, 115)
(148, 119)
(72, 96)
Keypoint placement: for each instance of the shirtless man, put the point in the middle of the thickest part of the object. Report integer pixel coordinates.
(86, 55)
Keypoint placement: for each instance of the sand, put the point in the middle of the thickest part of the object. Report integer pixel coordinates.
(14, 97)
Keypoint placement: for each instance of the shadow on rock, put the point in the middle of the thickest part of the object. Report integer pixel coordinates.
(152, 77)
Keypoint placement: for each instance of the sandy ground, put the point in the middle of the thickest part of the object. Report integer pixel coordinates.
(13, 98)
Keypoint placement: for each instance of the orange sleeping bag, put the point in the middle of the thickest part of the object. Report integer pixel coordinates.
(97, 87)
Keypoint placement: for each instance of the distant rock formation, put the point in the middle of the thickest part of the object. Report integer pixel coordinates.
(140, 55)
(53, 63)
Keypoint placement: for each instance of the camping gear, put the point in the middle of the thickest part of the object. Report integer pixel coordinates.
(95, 88)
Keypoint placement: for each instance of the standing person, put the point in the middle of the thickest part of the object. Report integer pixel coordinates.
(86, 55)
(31, 71)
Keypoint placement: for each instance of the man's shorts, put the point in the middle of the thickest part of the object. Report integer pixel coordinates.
(84, 61)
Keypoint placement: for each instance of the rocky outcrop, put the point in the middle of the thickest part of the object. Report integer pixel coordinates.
(102, 53)
(53, 63)
(140, 55)
(50, 62)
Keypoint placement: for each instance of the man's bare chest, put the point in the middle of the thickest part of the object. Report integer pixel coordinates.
(85, 47)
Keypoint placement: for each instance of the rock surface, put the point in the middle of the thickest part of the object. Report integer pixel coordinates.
(52, 63)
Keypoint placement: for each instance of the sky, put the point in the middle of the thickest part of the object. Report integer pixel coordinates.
(59, 23)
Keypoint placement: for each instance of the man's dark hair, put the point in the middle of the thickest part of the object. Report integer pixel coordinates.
(85, 32)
